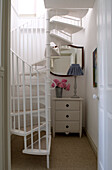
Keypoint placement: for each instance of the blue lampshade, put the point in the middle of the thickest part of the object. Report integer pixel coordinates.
(75, 70)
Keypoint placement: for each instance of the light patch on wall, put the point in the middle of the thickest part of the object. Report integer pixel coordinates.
(31, 7)
(40, 8)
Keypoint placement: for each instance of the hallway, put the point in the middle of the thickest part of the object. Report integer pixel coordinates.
(67, 153)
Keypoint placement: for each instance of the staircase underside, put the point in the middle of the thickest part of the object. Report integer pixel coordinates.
(69, 4)
(40, 63)
(78, 13)
(70, 28)
(59, 40)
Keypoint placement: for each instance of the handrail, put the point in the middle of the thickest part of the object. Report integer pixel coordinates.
(15, 10)
(19, 57)
(31, 66)
(19, 26)
(24, 34)
(27, 22)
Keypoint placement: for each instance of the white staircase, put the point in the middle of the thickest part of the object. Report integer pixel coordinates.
(30, 94)
(63, 24)
(29, 102)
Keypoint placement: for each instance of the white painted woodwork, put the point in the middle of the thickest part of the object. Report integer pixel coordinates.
(0, 30)
(1, 118)
(61, 115)
(60, 40)
(105, 84)
(67, 115)
(5, 84)
(67, 126)
(40, 63)
(48, 53)
(25, 41)
(25, 118)
(78, 13)
(54, 52)
(67, 27)
(68, 4)
(30, 111)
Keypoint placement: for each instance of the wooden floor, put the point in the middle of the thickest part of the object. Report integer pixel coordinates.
(67, 153)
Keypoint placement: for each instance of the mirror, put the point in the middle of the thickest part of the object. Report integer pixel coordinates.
(68, 55)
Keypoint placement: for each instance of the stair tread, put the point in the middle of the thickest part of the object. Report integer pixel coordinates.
(55, 57)
(39, 63)
(26, 112)
(34, 72)
(36, 150)
(65, 41)
(40, 84)
(70, 28)
(28, 129)
(27, 97)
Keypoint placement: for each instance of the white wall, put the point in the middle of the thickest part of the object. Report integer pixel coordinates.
(87, 38)
(28, 40)
(78, 39)
(14, 14)
(90, 45)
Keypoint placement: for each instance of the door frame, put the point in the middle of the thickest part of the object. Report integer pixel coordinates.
(5, 65)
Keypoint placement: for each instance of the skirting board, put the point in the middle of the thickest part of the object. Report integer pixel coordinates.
(91, 142)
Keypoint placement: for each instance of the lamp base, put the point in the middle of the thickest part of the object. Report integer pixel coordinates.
(75, 96)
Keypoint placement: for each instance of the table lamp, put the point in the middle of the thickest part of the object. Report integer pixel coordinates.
(75, 70)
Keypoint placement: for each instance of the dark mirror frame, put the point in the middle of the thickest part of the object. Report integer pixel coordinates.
(82, 61)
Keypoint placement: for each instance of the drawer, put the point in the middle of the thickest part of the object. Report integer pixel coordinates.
(67, 105)
(67, 115)
(67, 126)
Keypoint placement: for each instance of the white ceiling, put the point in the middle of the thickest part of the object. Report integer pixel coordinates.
(69, 3)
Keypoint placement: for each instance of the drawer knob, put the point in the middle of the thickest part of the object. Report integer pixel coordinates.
(67, 116)
(67, 126)
(67, 105)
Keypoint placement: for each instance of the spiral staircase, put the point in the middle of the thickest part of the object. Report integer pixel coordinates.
(30, 83)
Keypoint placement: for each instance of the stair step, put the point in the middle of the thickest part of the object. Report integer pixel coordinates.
(78, 13)
(43, 70)
(65, 52)
(36, 150)
(28, 130)
(28, 97)
(28, 112)
(57, 12)
(59, 40)
(40, 63)
(34, 73)
(67, 27)
(55, 57)
(27, 84)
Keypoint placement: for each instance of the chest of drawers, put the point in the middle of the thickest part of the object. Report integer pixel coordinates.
(67, 115)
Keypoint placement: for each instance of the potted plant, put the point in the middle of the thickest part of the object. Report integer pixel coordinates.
(60, 85)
